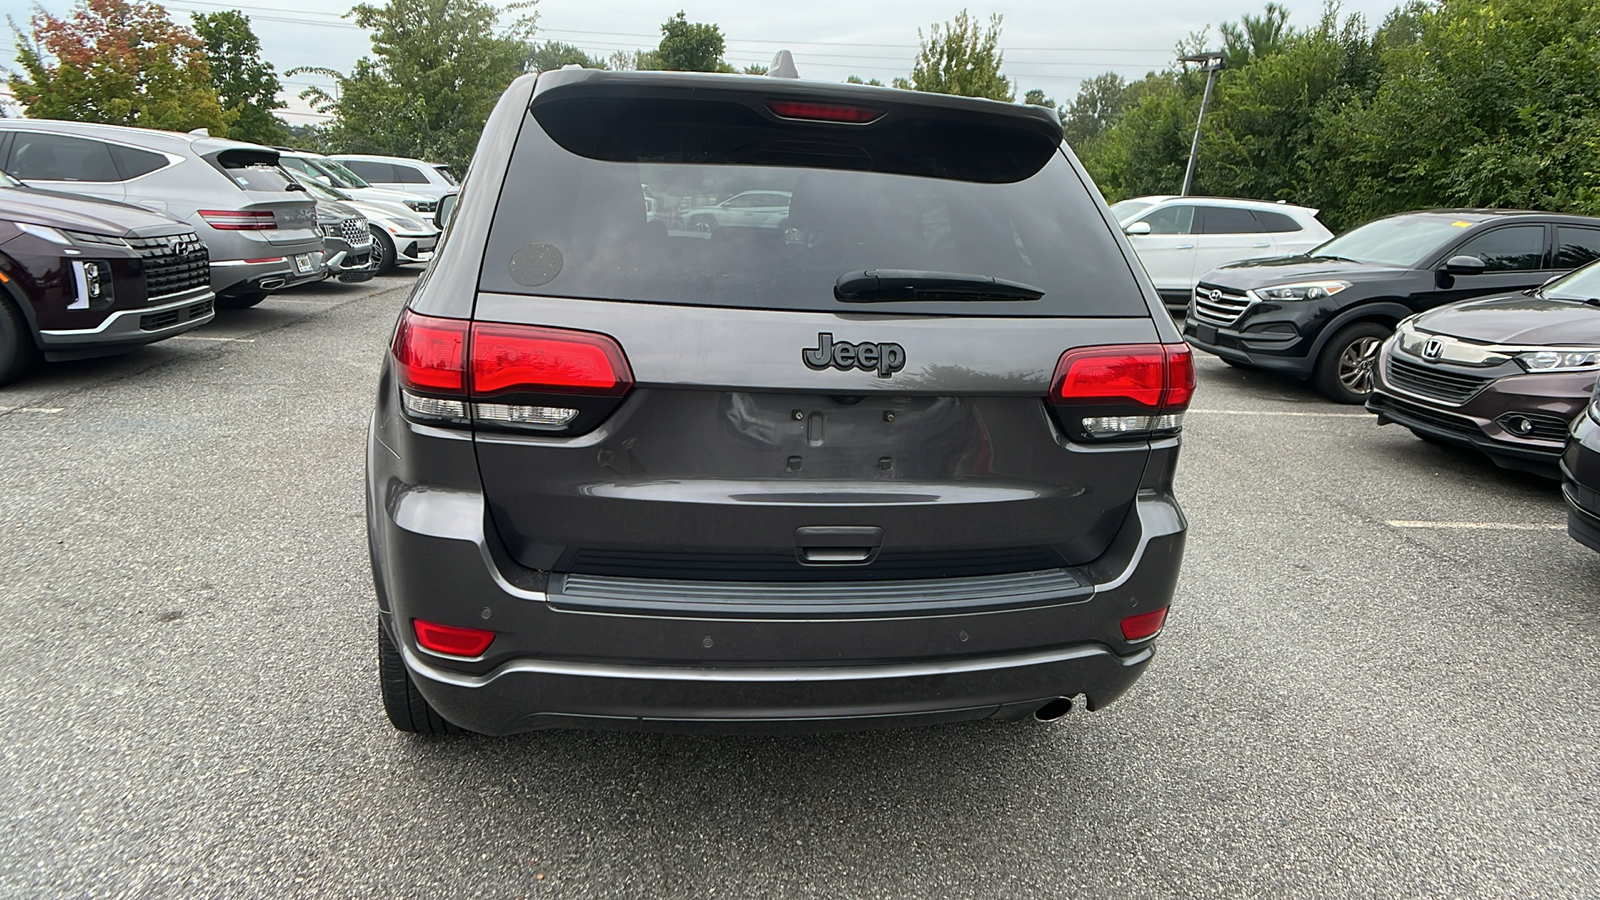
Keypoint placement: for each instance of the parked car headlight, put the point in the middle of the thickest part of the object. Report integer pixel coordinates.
(45, 232)
(1559, 360)
(1309, 290)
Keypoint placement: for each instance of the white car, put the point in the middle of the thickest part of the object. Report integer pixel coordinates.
(1181, 238)
(330, 174)
(751, 209)
(402, 174)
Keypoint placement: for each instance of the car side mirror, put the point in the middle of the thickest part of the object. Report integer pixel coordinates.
(1137, 228)
(1464, 265)
(445, 209)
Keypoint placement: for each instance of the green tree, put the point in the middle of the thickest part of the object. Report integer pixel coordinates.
(1255, 37)
(691, 47)
(857, 79)
(245, 84)
(961, 57)
(1100, 103)
(552, 55)
(437, 68)
(121, 62)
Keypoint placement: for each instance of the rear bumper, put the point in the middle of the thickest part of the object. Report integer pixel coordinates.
(234, 276)
(555, 665)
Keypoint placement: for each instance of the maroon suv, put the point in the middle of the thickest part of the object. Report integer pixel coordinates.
(1506, 375)
(81, 277)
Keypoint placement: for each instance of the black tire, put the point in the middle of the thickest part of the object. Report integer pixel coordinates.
(383, 255)
(1344, 371)
(243, 300)
(408, 710)
(17, 350)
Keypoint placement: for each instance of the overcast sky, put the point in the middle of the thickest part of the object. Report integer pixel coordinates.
(1049, 44)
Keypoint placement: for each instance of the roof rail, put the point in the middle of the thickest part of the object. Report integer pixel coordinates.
(783, 66)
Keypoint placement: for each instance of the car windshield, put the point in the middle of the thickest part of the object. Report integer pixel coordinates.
(1395, 241)
(321, 191)
(1127, 209)
(1581, 284)
(342, 177)
(780, 237)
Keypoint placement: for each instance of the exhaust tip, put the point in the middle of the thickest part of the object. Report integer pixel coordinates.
(271, 284)
(1053, 710)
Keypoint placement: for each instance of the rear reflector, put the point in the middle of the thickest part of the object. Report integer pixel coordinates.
(431, 353)
(824, 112)
(239, 219)
(1144, 625)
(546, 361)
(449, 640)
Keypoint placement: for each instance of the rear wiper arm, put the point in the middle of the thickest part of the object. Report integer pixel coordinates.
(905, 285)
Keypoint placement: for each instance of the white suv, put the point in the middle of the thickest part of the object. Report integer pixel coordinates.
(1181, 238)
(402, 174)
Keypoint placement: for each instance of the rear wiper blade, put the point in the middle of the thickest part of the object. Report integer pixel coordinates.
(903, 285)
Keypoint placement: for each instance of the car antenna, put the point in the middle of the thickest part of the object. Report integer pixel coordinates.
(783, 66)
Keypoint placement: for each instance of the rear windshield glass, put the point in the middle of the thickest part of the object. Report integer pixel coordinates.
(781, 236)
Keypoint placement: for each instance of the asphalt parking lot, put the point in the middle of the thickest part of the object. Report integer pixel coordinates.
(1378, 679)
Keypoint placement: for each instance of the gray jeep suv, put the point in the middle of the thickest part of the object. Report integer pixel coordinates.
(903, 454)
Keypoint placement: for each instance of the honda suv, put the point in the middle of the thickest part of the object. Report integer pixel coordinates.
(908, 458)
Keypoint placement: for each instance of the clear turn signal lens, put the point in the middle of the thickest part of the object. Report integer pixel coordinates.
(526, 416)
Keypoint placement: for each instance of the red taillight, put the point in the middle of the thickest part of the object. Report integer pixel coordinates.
(1156, 377)
(451, 640)
(520, 358)
(824, 112)
(239, 219)
(1144, 625)
(431, 353)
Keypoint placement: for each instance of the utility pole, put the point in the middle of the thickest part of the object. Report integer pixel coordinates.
(1210, 63)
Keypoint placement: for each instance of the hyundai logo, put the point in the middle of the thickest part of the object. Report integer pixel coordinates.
(1433, 349)
(1215, 295)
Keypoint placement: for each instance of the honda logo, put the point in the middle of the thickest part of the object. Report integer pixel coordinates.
(1433, 349)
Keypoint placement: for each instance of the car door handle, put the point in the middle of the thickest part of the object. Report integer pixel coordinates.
(1184, 247)
(1261, 245)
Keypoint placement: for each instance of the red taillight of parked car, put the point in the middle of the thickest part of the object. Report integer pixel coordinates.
(451, 640)
(519, 377)
(1124, 390)
(239, 219)
(824, 112)
(1145, 625)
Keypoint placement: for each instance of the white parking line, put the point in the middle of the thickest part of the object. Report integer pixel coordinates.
(1482, 526)
(1273, 412)
(47, 410)
(199, 337)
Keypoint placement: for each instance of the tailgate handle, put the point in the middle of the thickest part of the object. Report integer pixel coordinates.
(837, 545)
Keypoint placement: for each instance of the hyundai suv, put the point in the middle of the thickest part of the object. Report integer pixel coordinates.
(907, 459)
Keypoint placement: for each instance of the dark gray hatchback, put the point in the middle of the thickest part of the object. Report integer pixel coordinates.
(889, 439)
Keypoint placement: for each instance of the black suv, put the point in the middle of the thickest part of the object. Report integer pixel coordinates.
(82, 277)
(1323, 315)
(900, 453)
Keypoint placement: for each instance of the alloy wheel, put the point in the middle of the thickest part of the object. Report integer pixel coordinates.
(1356, 362)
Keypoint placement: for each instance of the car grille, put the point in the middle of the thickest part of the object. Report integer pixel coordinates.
(1432, 382)
(1422, 415)
(171, 317)
(355, 233)
(173, 264)
(1218, 306)
(424, 206)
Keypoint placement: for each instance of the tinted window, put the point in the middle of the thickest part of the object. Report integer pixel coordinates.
(571, 226)
(1517, 247)
(1276, 223)
(1576, 246)
(135, 162)
(56, 157)
(371, 171)
(1171, 220)
(1228, 220)
(408, 174)
(1395, 241)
